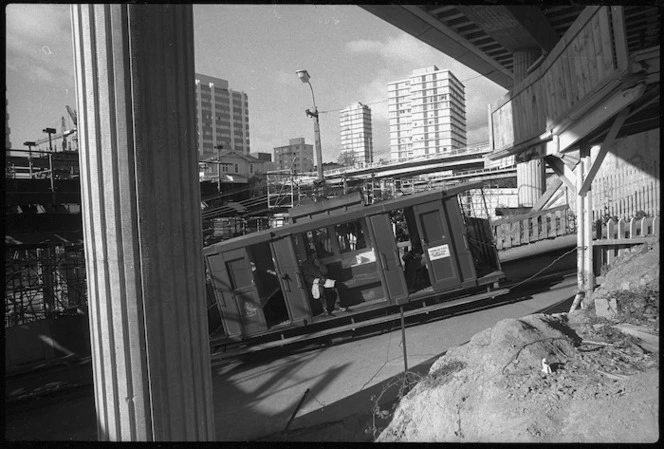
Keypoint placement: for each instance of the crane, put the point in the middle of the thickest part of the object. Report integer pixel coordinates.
(64, 135)
(72, 114)
(64, 132)
(55, 136)
(74, 119)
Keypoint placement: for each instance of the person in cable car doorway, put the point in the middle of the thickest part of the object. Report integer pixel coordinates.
(315, 275)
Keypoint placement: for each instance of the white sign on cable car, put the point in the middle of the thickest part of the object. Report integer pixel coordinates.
(439, 252)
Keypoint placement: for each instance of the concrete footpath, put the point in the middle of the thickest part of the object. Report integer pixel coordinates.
(255, 397)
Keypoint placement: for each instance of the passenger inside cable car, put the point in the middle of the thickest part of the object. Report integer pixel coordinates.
(350, 259)
(407, 240)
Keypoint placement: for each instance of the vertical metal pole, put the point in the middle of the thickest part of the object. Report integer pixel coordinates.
(373, 188)
(319, 150)
(580, 228)
(403, 340)
(50, 167)
(219, 170)
(588, 231)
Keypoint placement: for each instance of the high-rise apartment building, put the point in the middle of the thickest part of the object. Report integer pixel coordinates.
(296, 155)
(356, 135)
(222, 117)
(427, 114)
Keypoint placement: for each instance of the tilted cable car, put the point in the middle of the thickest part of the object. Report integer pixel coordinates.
(388, 254)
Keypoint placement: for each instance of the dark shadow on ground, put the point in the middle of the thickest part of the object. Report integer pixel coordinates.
(351, 419)
(235, 406)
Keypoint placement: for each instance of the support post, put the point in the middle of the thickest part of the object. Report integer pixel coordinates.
(140, 202)
(588, 232)
(580, 229)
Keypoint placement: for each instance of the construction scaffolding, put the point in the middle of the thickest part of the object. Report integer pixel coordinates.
(283, 189)
(43, 281)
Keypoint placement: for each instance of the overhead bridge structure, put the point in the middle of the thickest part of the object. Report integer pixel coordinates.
(286, 187)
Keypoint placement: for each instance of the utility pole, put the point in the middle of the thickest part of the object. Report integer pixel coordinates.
(304, 77)
(219, 148)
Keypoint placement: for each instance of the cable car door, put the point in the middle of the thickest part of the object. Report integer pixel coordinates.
(391, 272)
(439, 251)
(287, 267)
(233, 281)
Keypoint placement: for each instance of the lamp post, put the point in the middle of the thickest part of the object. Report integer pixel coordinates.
(30, 144)
(304, 77)
(49, 131)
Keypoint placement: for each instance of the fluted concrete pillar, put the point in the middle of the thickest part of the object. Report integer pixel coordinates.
(530, 176)
(142, 224)
(531, 181)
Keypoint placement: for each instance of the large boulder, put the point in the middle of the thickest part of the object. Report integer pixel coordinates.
(492, 389)
(464, 397)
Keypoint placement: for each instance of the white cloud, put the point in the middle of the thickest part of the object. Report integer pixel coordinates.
(38, 43)
(365, 46)
(36, 25)
(285, 78)
(403, 49)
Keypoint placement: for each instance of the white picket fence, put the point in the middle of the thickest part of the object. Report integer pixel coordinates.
(626, 191)
(615, 238)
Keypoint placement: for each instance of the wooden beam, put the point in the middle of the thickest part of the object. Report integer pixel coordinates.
(620, 36)
(561, 170)
(599, 115)
(604, 149)
(539, 205)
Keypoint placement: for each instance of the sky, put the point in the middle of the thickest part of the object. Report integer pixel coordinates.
(350, 54)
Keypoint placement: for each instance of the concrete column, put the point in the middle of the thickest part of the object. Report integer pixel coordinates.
(530, 176)
(140, 203)
(531, 181)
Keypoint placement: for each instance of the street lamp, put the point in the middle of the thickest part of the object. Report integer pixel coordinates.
(304, 77)
(30, 144)
(49, 131)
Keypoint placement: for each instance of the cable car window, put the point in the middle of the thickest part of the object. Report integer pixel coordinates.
(350, 236)
(319, 239)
